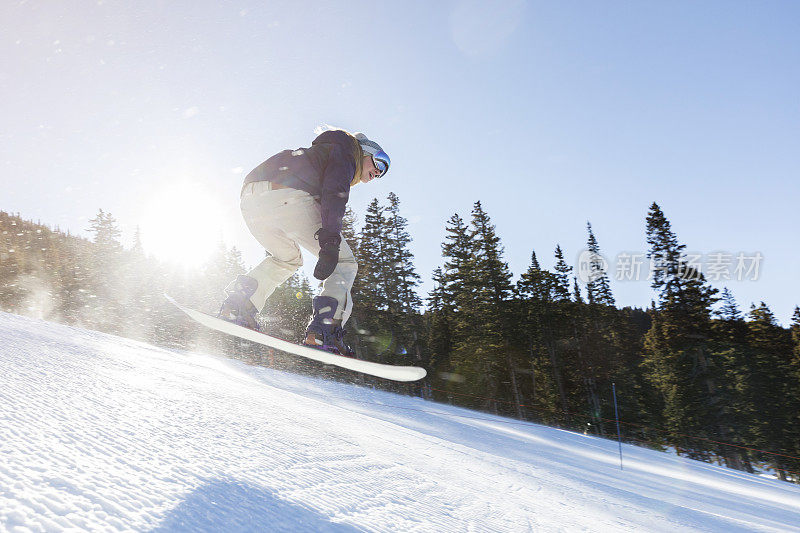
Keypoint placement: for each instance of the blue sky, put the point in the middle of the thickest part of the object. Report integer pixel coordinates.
(551, 114)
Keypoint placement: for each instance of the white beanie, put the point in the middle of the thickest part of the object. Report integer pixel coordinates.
(368, 146)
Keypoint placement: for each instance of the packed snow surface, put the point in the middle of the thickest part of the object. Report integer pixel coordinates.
(103, 433)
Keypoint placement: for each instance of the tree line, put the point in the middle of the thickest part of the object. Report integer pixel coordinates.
(693, 372)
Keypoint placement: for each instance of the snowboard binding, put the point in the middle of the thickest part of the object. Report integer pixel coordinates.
(324, 332)
(237, 307)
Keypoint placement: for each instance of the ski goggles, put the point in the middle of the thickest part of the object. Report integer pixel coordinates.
(381, 161)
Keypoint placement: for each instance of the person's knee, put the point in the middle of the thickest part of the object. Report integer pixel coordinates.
(348, 267)
(297, 261)
(292, 260)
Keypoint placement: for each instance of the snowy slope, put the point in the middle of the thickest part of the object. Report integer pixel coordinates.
(103, 433)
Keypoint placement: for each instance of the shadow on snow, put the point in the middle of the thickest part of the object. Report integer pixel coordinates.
(221, 505)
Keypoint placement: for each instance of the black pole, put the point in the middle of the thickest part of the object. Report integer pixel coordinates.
(616, 415)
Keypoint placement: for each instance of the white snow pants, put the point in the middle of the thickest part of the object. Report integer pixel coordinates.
(282, 220)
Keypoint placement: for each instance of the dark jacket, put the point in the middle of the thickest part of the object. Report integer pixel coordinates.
(324, 170)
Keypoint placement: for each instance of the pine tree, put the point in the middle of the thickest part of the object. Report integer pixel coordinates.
(386, 301)
(138, 298)
(368, 290)
(106, 283)
(349, 222)
(535, 289)
(403, 279)
(796, 336)
(486, 353)
(546, 295)
(448, 316)
(105, 230)
(73, 279)
(137, 248)
(535, 283)
(11, 264)
(665, 252)
(477, 287)
(438, 319)
(492, 275)
(458, 270)
(729, 310)
(400, 281)
(576, 290)
(677, 347)
(774, 388)
(561, 277)
(730, 350)
(598, 287)
(795, 389)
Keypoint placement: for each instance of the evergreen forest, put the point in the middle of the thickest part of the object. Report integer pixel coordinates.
(692, 373)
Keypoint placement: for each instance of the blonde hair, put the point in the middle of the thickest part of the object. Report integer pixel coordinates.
(359, 154)
(356, 150)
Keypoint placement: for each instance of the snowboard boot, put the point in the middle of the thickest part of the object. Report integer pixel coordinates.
(324, 332)
(237, 307)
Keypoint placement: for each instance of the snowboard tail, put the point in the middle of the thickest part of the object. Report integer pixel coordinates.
(393, 372)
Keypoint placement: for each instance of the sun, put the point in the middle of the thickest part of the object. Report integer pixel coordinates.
(182, 223)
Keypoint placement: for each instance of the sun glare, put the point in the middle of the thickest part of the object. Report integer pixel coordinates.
(182, 224)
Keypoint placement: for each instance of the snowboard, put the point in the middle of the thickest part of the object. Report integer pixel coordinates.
(393, 372)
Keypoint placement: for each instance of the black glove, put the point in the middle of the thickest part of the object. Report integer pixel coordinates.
(328, 253)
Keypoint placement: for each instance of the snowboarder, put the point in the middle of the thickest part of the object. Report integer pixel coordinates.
(295, 199)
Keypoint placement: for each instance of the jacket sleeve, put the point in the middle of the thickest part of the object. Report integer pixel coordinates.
(336, 180)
